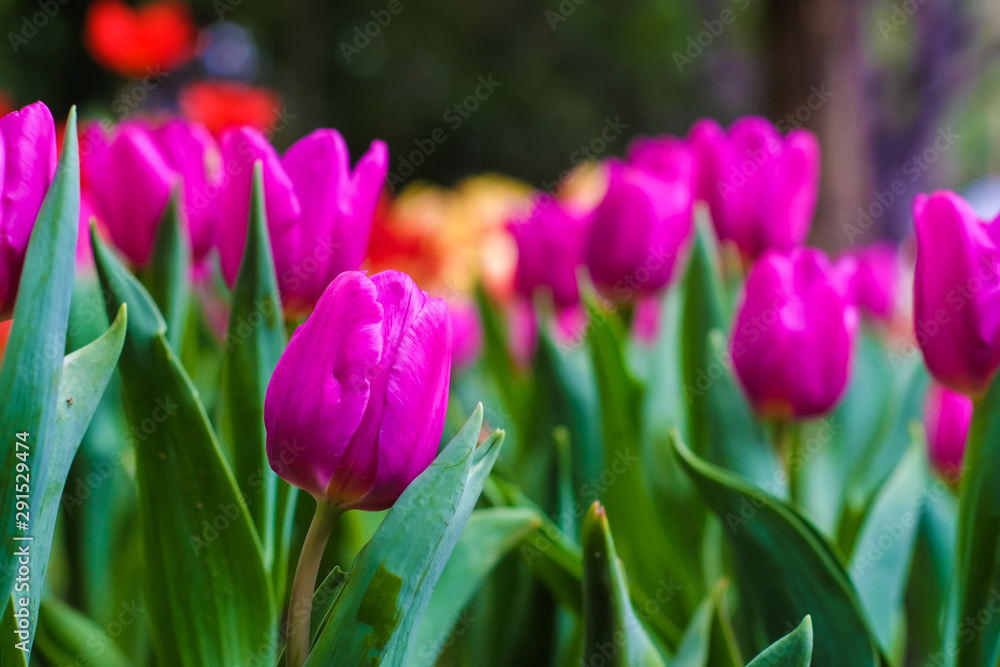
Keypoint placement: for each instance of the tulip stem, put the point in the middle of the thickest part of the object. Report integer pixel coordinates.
(304, 583)
(789, 443)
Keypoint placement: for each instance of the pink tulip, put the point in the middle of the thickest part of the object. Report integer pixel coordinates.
(956, 298)
(129, 185)
(639, 229)
(551, 241)
(27, 167)
(794, 335)
(190, 151)
(356, 406)
(761, 188)
(241, 148)
(467, 331)
(947, 415)
(319, 211)
(338, 207)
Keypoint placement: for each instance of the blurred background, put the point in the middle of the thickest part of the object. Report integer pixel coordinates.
(902, 94)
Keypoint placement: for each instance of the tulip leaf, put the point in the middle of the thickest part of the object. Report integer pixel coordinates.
(375, 616)
(708, 639)
(207, 592)
(253, 345)
(881, 560)
(487, 537)
(979, 534)
(613, 634)
(792, 650)
(33, 359)
(67, 637)
(786, 569)
(644, 545)
(167, 276)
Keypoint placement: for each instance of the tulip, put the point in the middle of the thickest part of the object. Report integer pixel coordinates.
(27, 167)
(242, 148)
(361, 391)
(551, 242)
(794, 333)
(467, 331)
(639, 228)
(947, 415)
(338, 207)
(191, 152)
(760, 188)
(956, 293)
(667, 157)
(355, 409)
(876, 280)
(319, 212)
(129, 185)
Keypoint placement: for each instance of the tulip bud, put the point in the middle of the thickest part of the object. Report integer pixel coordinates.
(794, 334)
(876, 280)
(947, 415)
(639, 228)
(191, 152)
(956, 292)
(356, 406)
(27, 167)
(760, 188)
(551, 241)
(338, 207)
(467, 331)
(241, 149)
(129, 185)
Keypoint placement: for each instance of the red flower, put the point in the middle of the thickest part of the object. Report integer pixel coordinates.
(158, 35)
(219, 105)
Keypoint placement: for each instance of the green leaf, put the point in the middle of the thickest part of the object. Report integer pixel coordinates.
(613, 634)
(979, 534)
(487, 537)
(645, 548)
(254, 343)
(67, 637)
(85, 375)
(33, 359)
(881, 560)
(786, 569)
(167, 277)
(207, 593)
(375, 616)
(792, 650)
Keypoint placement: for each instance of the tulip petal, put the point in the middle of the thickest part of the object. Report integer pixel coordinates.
(322, 384)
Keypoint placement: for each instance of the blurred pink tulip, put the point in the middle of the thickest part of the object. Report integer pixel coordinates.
(27, 167)
(947, 415)
(551, 241)
(956, 298)
(760, 187)
(877, 280)
(794, 335)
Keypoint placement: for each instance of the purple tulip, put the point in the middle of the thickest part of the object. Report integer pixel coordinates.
(947, 415)
(551, 241)
(241, 148)
(956, 292)
(338, 207)
(667, 157)
(356, 406)
(794, 334)
(319, 212)
(639, 228)
(190, 151)
(760, 188)
(876, 280)
(27, 167)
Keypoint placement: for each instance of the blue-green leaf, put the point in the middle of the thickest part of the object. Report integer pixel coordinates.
(792, 650)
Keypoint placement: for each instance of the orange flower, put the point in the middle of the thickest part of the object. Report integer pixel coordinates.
(4, 333)
(220, 105)
(158, 36)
